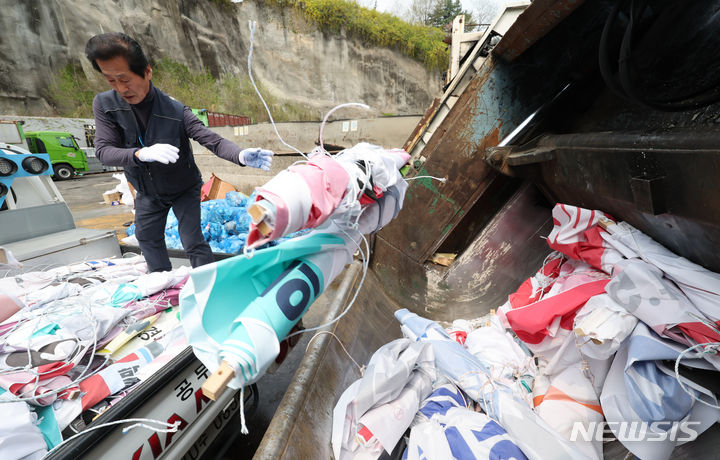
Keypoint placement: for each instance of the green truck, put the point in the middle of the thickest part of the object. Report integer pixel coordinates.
(65, 154)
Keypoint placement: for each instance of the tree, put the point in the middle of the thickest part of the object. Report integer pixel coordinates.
(444, 12)
(420, 11)
(486, 10)
(436, 13)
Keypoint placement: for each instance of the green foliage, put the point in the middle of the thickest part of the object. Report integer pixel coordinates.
(194, 89)
(381, 29)
(71, 93)
(444, 12)
(237, 96)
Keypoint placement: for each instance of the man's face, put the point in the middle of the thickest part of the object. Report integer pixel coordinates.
(131, 86)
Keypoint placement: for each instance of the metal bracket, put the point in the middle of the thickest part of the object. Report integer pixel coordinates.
(505, 158)
(648, 194)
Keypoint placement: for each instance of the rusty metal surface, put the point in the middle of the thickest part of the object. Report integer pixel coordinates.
(533, 24)
(678, 207)
(497, 100)
(496, 261)
(422, 125)
(489, 109)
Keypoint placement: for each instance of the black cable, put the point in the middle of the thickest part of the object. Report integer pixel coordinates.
(641, 18)
(603, 53)
(625, 55)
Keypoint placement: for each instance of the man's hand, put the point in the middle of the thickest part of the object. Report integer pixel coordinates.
(256, 158)
(163, 153)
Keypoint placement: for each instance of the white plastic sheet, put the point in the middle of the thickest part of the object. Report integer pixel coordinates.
(638, 389)
(398, 378)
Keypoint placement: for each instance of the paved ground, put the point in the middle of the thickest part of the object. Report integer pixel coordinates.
(84, 197)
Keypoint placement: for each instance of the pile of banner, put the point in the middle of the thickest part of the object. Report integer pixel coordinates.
(73, 341)
(614, 332)
(238, 310)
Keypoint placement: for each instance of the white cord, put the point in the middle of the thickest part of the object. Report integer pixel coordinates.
(357, 291)
(327, 115)
(243, 426)
(33, 398)
(140, 423)
(251, 24)
(441, 179)
(360, 368)
(78, 353)
(248, 253)
(712, 348)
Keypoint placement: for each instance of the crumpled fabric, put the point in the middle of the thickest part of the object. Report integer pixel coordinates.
(20, 437)
(374, 412)
(307, 194)
(461, 434)
(640, 388)
(563, 395)
(641, 289)
(69, 313)
(505, 359)
(576, 234)
(699, 288)
(601, 326)
(495, 397)
(539, 322)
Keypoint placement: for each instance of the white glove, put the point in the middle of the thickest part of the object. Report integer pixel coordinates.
(256, 158)
(163, 153)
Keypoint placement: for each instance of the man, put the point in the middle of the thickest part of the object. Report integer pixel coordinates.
(145, 131)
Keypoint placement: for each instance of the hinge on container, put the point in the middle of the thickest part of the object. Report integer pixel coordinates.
(506, 158)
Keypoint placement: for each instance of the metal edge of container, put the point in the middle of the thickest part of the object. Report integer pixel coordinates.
(76, 448)
(278, 432)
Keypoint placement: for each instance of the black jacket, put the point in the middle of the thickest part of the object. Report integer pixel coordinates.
(165, 126)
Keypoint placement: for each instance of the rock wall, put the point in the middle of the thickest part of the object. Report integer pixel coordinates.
(291, 57)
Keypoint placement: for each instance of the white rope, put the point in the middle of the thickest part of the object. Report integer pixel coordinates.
(87, 312)
(360, 368)
(327, 115)
(251, 25)
(441, 179)
(365, 260)
(712, 347)
(243, 426)
(140, 423)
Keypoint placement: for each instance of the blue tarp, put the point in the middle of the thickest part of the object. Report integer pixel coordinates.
(225, 223)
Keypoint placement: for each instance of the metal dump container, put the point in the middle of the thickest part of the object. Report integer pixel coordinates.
(565, 137)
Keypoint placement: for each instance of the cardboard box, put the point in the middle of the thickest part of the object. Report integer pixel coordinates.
(215, 188)
(109, 197)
